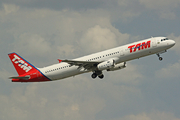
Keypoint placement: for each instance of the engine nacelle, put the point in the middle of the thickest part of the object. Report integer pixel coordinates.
(106, 65)
(117, 66)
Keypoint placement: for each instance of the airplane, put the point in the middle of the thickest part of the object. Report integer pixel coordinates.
(110, 60)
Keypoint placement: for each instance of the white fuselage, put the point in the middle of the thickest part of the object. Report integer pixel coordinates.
(120, 54)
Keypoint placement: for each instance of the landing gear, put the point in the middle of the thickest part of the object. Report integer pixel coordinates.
(101, 76)
(160, 58)
(94, 75)
(97, 73)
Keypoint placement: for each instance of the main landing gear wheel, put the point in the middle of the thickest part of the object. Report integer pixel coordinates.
(101, 76)
(94, 75)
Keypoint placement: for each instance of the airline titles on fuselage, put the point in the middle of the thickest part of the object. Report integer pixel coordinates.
(140, 46)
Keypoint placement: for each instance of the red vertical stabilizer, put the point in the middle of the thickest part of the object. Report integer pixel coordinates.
(27, 72)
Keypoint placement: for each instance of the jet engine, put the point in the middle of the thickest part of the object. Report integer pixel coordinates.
(117, 66)
(106, 65)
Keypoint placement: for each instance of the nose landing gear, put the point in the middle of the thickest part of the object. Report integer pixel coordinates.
(160, 58)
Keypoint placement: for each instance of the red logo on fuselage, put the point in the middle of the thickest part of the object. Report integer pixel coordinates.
(140, 46)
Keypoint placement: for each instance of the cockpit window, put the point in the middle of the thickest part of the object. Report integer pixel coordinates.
(164, 39)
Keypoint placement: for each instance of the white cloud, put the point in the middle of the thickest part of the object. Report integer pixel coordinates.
(142, 116)
(129, 75)
(74, 98)
(66, 50)
(98, 39)
(151, 116)
(28, 103)
(177, 40)
(171, 70)
(32, 44)
(10, 8)
(4, 74)
(66, 33)
(35, 36)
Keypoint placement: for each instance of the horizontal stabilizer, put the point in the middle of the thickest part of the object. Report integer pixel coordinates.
(23, 78)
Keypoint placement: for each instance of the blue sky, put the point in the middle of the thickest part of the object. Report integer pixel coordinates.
(43, 31)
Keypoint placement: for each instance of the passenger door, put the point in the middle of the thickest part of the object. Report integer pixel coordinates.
(154, 42)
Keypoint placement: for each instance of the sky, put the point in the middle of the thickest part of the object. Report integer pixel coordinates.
(42, 31)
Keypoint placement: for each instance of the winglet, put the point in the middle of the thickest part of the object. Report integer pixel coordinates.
(59, 60)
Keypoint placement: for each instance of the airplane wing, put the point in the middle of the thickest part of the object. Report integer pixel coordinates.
(87, 65)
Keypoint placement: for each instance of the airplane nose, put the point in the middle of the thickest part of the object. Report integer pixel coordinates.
(172, 42)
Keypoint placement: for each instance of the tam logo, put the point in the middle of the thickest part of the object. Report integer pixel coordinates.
(21, 63)
(140, 46)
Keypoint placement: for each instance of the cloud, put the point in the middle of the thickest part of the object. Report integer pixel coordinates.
(169, 71)
(66, 51)
(167, 15)
(4, 74)
(151, 116)
(38, 32)
(58, 5)
(10, 8)
(160, 4)
(177, 40)
(36, 101)
(32, 44)
(98, 39)
(33, 34)
(69, 100)
(128, 9)
(164, 8)
(74, 98)
(128, 75)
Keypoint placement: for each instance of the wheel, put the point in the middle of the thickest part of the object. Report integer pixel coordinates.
(101, 76)
(160, 58)
(94, 75)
